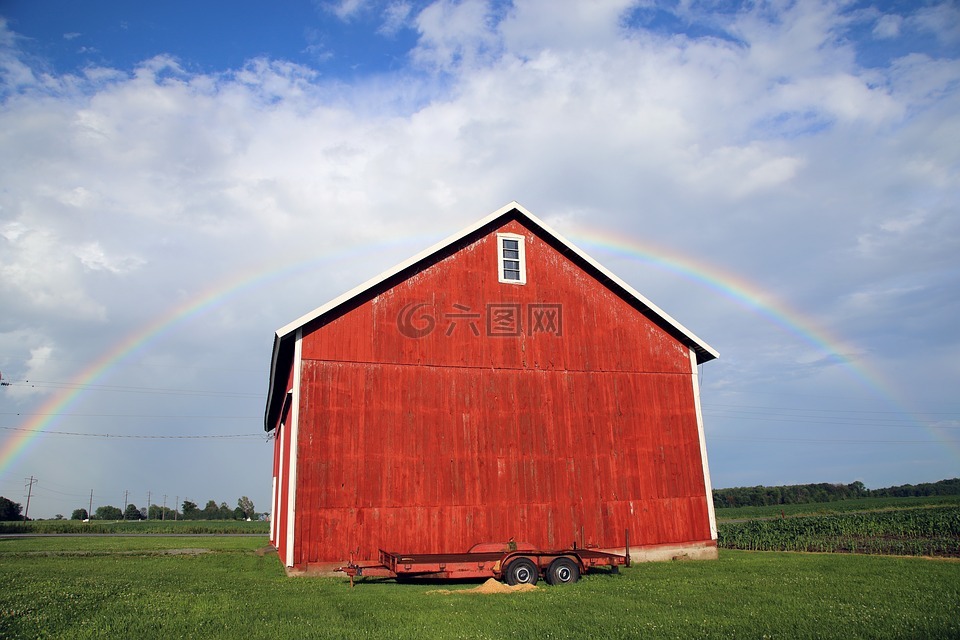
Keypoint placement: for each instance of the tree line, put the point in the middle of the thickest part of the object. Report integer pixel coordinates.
(245, 510)
(188, 511)
(761, 496)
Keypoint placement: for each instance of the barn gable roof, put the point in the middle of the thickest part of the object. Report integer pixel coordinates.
(285, 336)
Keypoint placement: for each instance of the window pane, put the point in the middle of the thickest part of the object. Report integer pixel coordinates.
(511, 244)
(511, 275)
(512, 265)
(510, 253)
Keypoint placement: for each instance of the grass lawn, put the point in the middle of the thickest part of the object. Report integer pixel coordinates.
(131, 587)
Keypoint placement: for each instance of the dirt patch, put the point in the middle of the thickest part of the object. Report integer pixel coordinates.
(489, 587)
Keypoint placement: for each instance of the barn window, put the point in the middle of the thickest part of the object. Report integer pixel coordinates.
(511, 257)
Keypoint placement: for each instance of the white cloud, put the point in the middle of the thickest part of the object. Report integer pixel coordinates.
(888, 26)
(943, 20)
(455, 34)
(395, 17)
(347, 9)
(536, 25)
(39, 364)
(38, 272)
(92, 256)
(841, 97)
(904, 223)
(737, 172)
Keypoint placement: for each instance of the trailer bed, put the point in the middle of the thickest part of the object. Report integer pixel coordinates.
(512, 562)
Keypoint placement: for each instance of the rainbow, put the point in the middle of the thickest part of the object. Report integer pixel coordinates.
(721, 281)
(745, 293)
(754, 298)
(149, 334)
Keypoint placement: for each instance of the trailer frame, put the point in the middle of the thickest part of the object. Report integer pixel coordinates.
(512, 562)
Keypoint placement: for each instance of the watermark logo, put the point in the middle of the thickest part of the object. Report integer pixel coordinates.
(545, 318)
(500, 320)
(504, 320)
(412, 325)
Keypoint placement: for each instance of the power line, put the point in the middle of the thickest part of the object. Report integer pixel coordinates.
(116, 388)
(62, 493)
(132, 415)
(820, 420)
(146, 437)
(816, 441)
(809, 409)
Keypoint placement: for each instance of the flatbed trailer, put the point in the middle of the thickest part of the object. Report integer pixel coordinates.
(514, 563)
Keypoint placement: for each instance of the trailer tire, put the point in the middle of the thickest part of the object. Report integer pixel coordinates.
(563, 571)
(522, 571)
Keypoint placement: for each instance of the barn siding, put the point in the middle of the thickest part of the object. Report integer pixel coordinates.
(435, 443)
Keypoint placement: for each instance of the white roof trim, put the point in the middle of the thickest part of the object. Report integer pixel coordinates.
(284, 332)
(319, 311)
(374, 281)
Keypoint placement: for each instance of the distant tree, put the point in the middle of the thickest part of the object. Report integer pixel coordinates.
(857, 489)
(211, 511)
(825, 492)
(189, 510)
(108, 512)
(10, 510)
(245, 505)
(160, 513)
(59, 516)
(79, 514)
(132, 513)
(949, 487)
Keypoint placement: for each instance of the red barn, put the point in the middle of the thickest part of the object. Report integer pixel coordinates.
(501, 384)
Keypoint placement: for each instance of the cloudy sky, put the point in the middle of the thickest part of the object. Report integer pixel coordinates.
(178, 180)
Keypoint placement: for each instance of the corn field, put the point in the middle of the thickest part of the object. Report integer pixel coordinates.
(915, 532)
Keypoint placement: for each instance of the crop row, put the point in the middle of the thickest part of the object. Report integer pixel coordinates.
(934, 531)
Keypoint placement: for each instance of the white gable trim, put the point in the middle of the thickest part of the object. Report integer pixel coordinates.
(369, 284)
(282, 335)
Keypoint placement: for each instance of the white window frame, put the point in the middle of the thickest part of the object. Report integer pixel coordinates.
(521, 244)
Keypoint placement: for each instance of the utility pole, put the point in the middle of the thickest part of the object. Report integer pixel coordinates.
(126, 494)
(90, 510)
(30, 484)
(148, 505)
(175, 508)
(163, 513)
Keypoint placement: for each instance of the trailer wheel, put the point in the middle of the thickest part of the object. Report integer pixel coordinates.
(522, 571)
(563, 571)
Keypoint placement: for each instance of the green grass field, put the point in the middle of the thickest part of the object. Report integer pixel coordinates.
(828, 508)
(165, 587)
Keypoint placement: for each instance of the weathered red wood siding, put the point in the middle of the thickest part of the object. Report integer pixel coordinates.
(434, 443)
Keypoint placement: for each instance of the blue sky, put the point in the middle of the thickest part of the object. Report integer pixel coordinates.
(211, 36)
(230, 166)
